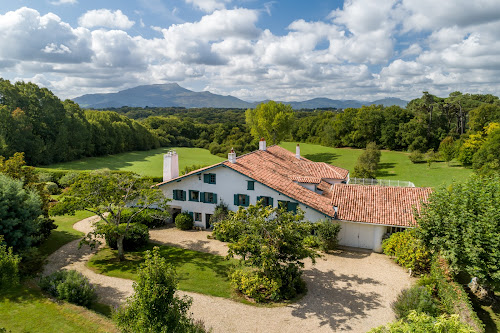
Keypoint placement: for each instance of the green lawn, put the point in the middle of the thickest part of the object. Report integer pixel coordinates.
(64, 232)
(146, 163)
(199, 272)
(393, 165)
(26, 309)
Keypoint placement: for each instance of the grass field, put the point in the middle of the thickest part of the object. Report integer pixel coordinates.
(64, 232)
(26, 309)
(199, 272)
(393, 165)
(146, 163)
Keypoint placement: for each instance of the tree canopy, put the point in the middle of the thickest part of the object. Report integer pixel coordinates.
(367, 163)
(270, 120)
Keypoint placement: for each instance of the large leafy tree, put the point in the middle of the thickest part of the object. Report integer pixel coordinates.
(20, 210)
(462, 222)
(155, 307)
(487, 159)
(367, 163)
(107, 194)
(270, 120)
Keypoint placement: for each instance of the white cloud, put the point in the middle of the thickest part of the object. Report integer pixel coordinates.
(63, 2)
(105, 18)
(208, 5)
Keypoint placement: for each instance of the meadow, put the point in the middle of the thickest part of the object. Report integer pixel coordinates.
(393, 165)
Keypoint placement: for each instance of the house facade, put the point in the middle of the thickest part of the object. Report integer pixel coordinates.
(277, 176)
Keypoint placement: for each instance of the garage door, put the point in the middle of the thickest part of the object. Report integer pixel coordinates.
(356, 235)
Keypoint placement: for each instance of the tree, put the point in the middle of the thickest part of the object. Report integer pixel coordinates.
(9, 262)
(487, 159)
(273, 244)
(270, 120)
(107, 194)
(462, 222)
(154, 307)
(20, 210)
(447, 149)
(367, 163)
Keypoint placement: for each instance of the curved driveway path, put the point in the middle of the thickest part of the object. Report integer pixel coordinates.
(348, 291)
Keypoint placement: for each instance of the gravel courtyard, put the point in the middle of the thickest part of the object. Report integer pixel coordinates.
(348, 291)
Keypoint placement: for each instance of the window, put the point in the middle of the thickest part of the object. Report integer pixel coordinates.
(179, 195)
(250, 185)
(197, 217)
(208, 197)
(266, 201)
(209, 178)
(393, 230)
(288, 205)
(194, 195)
(241, 200)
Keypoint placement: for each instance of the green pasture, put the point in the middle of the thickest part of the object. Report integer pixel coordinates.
(198, 272)
(393, 165)
(146, 163)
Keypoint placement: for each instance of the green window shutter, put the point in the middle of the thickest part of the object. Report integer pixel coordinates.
(175, 194)
(215, 198)
(206, 178)
(236, 201)
(202, 196)
(292, 206)
(258, 198)
(191, 214)
(247, 200)
(183, 196)
(270, 202)
(250, 185)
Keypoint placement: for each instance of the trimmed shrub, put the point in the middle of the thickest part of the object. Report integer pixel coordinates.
(9, 266)
(136, 238)
(152, 218)
(416, 157)
(68, 179)
(408, 251)
(184, 221)
(45, 177)
(328, 234)
(422, 322)
(255, 285)
(51, 187)
(417, 298)
(69, 286)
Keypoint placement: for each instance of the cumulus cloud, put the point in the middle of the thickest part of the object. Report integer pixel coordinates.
(105, 18)
(208, 5)
(64, 2)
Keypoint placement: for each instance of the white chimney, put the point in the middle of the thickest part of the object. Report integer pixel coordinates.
(170, 165)
(262, 144)
(297, 152)
(231, 156)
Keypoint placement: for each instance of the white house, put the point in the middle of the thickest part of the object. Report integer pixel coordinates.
(276, 175)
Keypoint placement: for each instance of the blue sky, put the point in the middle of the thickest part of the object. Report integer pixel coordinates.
(255, 50)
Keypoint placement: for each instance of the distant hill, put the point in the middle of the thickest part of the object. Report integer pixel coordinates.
(165, 95)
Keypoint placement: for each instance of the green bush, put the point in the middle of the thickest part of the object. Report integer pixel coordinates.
(312, 241)
(32, 262)
(228, 230)
(255, 285)
(417, 157)
(184, 221)
(9, 266)
(136, 238)
(408, 251)
(417, 298)
(152, 218)
(44, 177)
(328, 234)
(68, 179)
(51, 187)
(422, 322)
(155, 305)
(69, 286)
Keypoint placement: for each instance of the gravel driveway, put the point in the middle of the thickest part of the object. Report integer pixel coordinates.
(349, 291)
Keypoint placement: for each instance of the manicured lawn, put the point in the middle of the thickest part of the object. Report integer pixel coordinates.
(64, 232)
(26, 309)
(199, 272)
(393, 165)
(146, 163)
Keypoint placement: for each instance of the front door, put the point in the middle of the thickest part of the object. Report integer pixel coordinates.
(207, 220)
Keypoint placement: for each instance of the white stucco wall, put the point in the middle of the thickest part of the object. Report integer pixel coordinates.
(230, 182)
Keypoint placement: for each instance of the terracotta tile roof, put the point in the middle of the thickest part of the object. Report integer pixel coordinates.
(378, 204)
(305, 179)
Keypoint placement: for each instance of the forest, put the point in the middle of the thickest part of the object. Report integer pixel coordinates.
(48, 130)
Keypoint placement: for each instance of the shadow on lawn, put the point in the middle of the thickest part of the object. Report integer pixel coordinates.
(336, 299)
(322, 157)
(383, 169)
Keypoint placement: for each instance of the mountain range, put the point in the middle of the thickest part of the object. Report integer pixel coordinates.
(171, 94)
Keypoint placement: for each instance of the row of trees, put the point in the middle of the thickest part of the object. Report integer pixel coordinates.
(47, 130)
